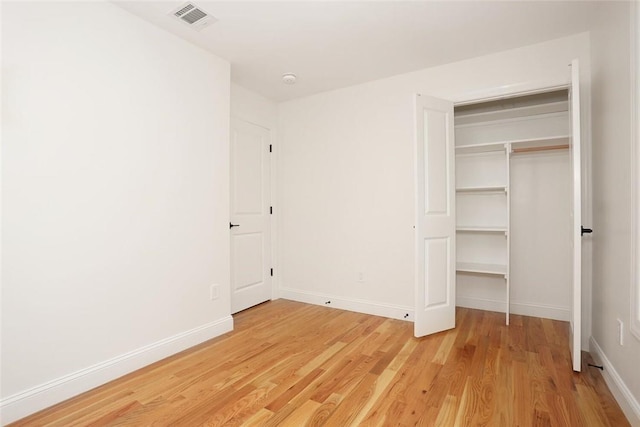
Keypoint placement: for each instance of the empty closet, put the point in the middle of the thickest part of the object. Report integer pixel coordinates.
(498, 207)
(513, 205)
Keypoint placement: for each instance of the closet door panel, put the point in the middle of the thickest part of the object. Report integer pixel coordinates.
(576, 213)
(435, 216)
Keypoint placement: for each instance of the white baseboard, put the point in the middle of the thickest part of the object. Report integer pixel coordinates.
(619, 389)
(350, 304)
(524, 309)
(400, 312)
(40, 397)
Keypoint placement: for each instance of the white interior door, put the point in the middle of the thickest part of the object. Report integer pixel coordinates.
(435, 234)
(576, 172)
(250, 215)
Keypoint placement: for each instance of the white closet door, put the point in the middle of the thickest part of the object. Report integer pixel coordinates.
(576, 167)
(435, 233)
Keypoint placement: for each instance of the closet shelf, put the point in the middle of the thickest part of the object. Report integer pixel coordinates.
(516, 144)
(480, 148)
(483, 189)
(481, 229)
(472, 267)
(540, 143)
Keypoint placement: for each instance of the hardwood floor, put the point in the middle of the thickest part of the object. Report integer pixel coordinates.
(292, 364)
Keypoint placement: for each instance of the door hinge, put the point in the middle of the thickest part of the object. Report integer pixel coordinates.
(270, 148)
(271, 210)
(272, 272)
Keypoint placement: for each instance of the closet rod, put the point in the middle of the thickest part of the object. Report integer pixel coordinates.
(542, 148)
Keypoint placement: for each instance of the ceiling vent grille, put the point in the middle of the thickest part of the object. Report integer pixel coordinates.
(193, 16)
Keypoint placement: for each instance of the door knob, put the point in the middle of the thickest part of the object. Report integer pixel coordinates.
(233, 225)
(585, 230)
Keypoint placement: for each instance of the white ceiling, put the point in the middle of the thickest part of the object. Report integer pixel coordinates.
(334, 44)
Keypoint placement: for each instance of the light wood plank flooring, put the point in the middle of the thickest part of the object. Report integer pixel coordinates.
(292, 364)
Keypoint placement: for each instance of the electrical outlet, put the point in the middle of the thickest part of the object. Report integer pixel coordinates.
(214, 292)
(360, 276)
(620, 332)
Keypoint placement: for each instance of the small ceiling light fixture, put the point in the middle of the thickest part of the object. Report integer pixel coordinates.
(289, 78)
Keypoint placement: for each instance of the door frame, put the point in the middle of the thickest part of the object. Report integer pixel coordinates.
(543, 86)
(273, 228)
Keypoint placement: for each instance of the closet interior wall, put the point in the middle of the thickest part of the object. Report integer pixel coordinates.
(513, 205)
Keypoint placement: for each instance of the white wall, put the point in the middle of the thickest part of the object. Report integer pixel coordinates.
(115, 198)
(346, 174)
(612, 205)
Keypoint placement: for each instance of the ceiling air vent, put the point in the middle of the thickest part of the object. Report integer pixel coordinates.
(193, 16)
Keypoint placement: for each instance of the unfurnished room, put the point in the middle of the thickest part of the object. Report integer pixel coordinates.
(337, 213)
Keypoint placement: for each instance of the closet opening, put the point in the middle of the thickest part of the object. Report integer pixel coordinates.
(513, 205)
